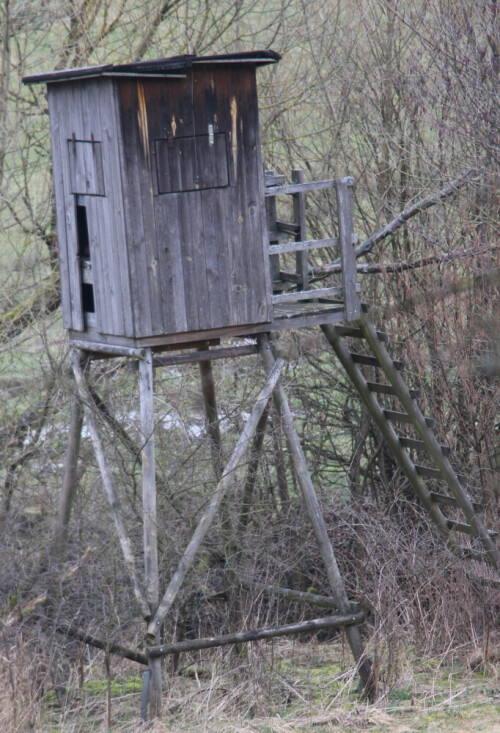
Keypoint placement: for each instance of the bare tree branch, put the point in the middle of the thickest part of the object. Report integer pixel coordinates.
(401, 219)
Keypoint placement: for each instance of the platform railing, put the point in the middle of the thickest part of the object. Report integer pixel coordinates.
(348, 291)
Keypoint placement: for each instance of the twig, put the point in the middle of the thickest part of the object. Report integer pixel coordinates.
(401, 219)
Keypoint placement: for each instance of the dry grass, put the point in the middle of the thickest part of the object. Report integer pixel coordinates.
(287, 686)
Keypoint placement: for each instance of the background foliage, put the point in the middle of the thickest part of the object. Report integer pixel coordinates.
(402, 96)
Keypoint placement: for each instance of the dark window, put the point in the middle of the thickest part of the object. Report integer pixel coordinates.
(83, 250)
(82, 230)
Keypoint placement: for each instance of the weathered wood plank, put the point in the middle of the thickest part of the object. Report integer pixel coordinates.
(299, 215)
(212, 354)
(291, 188)
(72, 313)
(347, 254)
(451, 501)
(302, 245)
(306, 295)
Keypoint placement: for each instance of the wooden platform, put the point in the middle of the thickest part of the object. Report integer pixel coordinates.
(286, 316)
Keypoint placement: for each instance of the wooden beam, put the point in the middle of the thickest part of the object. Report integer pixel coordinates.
(149, 515)
(107, 646)
(113, 501)
(317, 520)
(299, 215)
(296, 296)
(205, 355)
(300, 245)
(347, 254)
(292, 188)
(208, 515)
(270, 632)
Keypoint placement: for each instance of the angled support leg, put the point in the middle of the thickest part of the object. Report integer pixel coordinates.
(318, 522)
(113, 501)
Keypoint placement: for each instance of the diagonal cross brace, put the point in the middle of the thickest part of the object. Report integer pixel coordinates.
(125, 543)
(209, 514)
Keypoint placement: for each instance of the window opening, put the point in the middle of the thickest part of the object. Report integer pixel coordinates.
(83, 249)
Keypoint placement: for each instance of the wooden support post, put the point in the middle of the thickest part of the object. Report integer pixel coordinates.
(150, 525)
(299, 216)
(208, 515)
(211, 415)
(114, 504)
(347, 254)
(318, 522)
(68, 490)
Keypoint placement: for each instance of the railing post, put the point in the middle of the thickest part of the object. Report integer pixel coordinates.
(352, 303)
(272, 229)
(299, 216)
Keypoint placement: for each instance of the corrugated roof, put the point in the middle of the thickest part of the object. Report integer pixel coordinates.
(170, 66)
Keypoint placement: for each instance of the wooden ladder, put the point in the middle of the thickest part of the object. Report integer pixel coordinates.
(437, 466)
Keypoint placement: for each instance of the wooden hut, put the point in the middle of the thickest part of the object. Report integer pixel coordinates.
(159, 190)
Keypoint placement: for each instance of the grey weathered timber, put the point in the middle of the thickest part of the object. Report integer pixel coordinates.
(317, 520)
(451, 501)
(348, 258)
(108, 349)
(272, 228)
(388, 389)
(396, 416)
(295, 296)
(160, 199)
(216, 499)
(211, 355)
(149, 515)
(270, 632)
(418, 444)
(68, 489)
(291, 188)
(299, 245)
(371, 360)
(211, 416)
(107, 646)
(150, 529)
(299, 215)
(125, 544)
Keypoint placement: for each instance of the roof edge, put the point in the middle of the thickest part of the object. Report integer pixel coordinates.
(169, 66)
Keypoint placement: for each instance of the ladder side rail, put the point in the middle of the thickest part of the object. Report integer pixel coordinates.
(431, 443)
(385, 427)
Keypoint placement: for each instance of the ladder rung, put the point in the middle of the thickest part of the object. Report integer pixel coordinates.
(451, 501)
(372, 360)
(420, 445)
(466, 528)
(428, 471)
(433, 472)
(388, 389)
(394, 416)
(357, 332)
